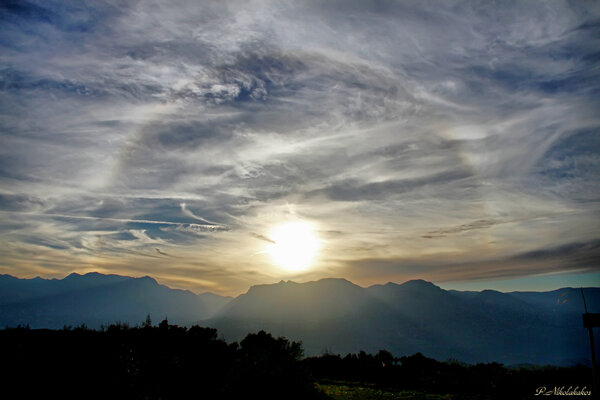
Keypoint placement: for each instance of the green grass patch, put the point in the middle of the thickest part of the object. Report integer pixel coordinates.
(365, 391)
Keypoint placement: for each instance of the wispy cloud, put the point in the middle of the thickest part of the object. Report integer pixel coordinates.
(479, 224)
(189, 127)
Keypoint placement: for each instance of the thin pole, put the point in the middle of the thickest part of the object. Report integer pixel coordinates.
(594, 372)
(584, 304)
(593, 350)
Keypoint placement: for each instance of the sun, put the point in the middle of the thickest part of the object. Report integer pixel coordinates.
(294, 246)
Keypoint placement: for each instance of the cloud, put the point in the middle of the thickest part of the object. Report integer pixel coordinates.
(200, 124)
(353, 191)
(577, 256)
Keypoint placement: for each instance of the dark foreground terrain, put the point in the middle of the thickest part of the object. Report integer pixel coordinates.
(172, 362)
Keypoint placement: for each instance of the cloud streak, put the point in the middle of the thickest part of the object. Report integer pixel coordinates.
(198, 227)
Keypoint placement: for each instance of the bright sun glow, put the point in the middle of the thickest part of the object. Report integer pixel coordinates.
(295, 246)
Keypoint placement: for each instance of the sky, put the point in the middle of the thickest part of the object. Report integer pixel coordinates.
(455, 142)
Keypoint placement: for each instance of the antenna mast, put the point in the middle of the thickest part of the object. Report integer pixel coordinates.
(591, 321)
(584, 304)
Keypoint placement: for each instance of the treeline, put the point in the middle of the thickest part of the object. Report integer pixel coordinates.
(172, 362)
(151, 362)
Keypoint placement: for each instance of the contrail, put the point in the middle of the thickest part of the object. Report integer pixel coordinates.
(206, 227)
(262, 237)
(189, 213)
(162, 253)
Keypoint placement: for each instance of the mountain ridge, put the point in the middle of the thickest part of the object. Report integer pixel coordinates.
(512, 327)
(330, 314)
(95, 299)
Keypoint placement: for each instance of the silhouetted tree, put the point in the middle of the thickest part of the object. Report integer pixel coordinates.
(148, 322)
(164, 325)
(385, 358)
(269, 368)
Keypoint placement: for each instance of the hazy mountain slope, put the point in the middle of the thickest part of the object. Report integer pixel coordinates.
(338, 316)
(312, 301)
(14, 289)
(96, 299)
(318, 313)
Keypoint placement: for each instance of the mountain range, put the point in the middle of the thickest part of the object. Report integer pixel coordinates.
(95, 299)
(329, 315)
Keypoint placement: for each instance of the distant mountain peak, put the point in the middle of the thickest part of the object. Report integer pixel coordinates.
(420, 283)
(88, 275)
(99, 277)
(341, 280)
(490, 292)
(147, 279)
(289, 284)
(95, 298)
(262, 286)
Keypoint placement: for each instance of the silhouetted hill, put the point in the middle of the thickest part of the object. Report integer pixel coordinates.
(312, 301)
(330, 308)
(337, 316)
(94, 299)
